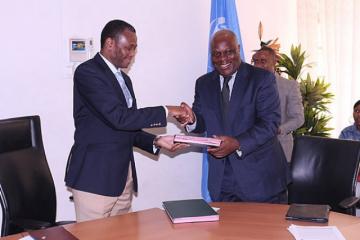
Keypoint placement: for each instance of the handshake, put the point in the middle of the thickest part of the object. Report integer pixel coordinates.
(185, 116)
(183, 113)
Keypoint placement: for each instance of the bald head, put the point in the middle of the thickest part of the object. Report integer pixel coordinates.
(224, 33)
(225, 52)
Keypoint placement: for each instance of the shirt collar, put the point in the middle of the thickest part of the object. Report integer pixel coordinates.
(232, 76)
(110, 65)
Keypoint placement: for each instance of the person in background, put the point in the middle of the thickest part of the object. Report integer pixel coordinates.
(292, 110)
(101, 170)
(239, 104)
(352, 132)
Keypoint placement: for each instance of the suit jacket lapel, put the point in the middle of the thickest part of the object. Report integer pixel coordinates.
(130, 87)
(114, 82)
(108, 73)
(214, 88)
(238, 92)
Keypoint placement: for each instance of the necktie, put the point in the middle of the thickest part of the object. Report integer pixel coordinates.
(125, 90)
(225, 94)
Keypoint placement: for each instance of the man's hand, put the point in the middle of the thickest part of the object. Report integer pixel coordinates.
(190, 116)
(176, 111)
(183, 113)
(167, 142)
(228, 146)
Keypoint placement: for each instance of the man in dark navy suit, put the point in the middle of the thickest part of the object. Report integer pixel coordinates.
(239, 104)
(101, 169)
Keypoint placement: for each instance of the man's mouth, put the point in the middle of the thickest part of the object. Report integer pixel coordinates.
(225, 66)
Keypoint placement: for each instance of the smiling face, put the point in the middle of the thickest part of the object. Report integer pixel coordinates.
(225, 52)
(121, 49)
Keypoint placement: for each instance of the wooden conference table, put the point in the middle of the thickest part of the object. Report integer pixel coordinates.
(253, 221)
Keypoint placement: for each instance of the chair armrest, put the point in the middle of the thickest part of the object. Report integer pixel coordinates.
(349, 202)
(64, 223)
(30, 224)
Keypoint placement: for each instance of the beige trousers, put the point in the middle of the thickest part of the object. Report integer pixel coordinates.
(89, 206)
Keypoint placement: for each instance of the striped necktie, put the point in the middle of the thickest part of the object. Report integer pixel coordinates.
(125, 90)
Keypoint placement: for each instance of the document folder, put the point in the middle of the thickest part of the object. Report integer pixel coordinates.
(53, 233)
(202, 141)
(308, 212)
(192, 210)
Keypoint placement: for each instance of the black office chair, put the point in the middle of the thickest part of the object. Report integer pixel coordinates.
(324, 171)
(27, 191)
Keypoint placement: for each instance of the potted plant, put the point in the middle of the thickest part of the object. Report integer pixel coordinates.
(314, 93)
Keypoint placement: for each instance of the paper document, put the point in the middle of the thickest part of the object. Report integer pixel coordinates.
(26, 238)
(315, 232)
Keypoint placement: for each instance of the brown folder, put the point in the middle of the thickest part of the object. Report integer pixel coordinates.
(53, 233)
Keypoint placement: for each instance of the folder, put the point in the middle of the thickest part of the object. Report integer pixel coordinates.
(202, 141)
(191, 210)
(308, 212)
(53, 233)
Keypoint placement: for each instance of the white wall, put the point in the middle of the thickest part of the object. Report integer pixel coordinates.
(172, 53)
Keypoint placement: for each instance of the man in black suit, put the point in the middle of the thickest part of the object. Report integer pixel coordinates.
(239, 104)
(101, 169)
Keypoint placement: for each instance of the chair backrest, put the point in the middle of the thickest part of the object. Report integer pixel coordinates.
(27, 189)
(324, 171)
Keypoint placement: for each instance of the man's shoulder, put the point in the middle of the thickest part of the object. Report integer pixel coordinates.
(94, 64)
(210, 76)
(285, 82)
(350, 128)
(256, 71)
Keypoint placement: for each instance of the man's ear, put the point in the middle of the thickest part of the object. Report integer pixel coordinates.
(109, 43)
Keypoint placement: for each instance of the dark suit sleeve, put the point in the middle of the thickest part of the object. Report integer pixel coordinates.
(106, 102)
(196, 107)
(144, 141)
(267, 116)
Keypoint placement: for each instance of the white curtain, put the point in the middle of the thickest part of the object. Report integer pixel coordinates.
(329, 32)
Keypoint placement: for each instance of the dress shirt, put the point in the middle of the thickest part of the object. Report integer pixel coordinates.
(114, 71)
(191, 127)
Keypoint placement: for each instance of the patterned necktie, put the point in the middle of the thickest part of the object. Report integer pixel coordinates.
(225, 94)
(125, 90)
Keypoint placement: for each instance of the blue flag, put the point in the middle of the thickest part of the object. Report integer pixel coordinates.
(223, 16)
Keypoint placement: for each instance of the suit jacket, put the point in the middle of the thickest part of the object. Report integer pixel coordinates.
(292, 112)
(254, 116)
(106, 131)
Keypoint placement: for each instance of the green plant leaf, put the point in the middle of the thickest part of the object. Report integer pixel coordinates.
(315, 94)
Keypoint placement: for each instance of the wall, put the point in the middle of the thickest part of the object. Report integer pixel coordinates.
(35, 73)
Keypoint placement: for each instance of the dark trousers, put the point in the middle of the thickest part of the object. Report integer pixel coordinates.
(229, 187)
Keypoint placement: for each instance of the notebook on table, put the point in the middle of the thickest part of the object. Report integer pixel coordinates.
(191, 210)
(308, 212)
